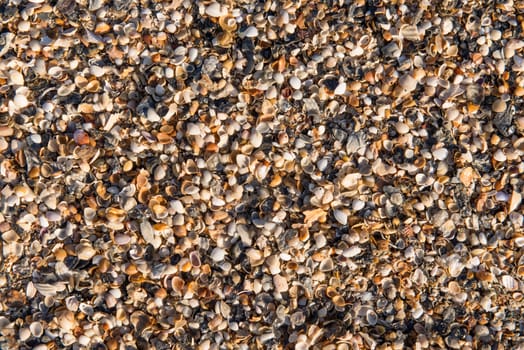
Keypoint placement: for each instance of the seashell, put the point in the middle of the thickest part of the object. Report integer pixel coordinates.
(392, 50)
(194, 258)
(122, 239)
(510, 283)
(410, 32)
(341, 216)
(472, 24)
(228, 23)
(85, 251)
(455, 267)
(256, 138)
(224, 39)
(519, 241)
(93, 86)
(273, 263)
(371, 317)
(357, 205)
(446, 26)
(218, 254)
(454, 288)
(261, 171)
(66, 321)
(498, 106)
(350, 181)
(255, 257)
(250, 32)
(280, 283)
(419, 277)
(295, 82)
(115, 214)
(102, 28)
(402, 128)
(314, 215)
(96, 71)
(467, 176)
(451, 92)
(485, 276)
(417, 312)
(36, 329)
(213, 10)
(85, 108)
(160, 212)
(24, 334)
(340, 89)
(326, 265)
(20, 101)
(338, 301)
(407, 82)
(6, 131)
(53, 216)
(440, 153)
(352, 251)
(364, 41)
(356, 52)
(177, 284)
(149, 234)
(140, 321)
(110, 300)
(16, 78)
(193, 129)
(47, 289)
(514, 202)
(499, 156)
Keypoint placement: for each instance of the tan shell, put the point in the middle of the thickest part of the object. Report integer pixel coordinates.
(228, 23)
(498, 106)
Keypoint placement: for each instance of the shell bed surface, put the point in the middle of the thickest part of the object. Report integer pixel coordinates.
(203, 174)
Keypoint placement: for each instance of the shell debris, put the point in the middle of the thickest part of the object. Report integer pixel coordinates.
(212, 174)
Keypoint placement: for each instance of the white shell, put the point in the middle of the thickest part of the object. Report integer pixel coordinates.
(218, 254)
(455, 267)
(351, 180)
(358, 205)
(510, 283)
(340, 89)
(295, 83)
(36, 329)
(440, 153)
(24, 334)
(193, 129)
(213, 10)
(149, 234)
(16, 78)
(341, 216)
(47, 289)
(20, 101)
(402, 128)
(251, 32)
(352, 251)
(256, 138)
(85, 251)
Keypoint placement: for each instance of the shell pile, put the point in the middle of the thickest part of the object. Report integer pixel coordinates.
(203, 174)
